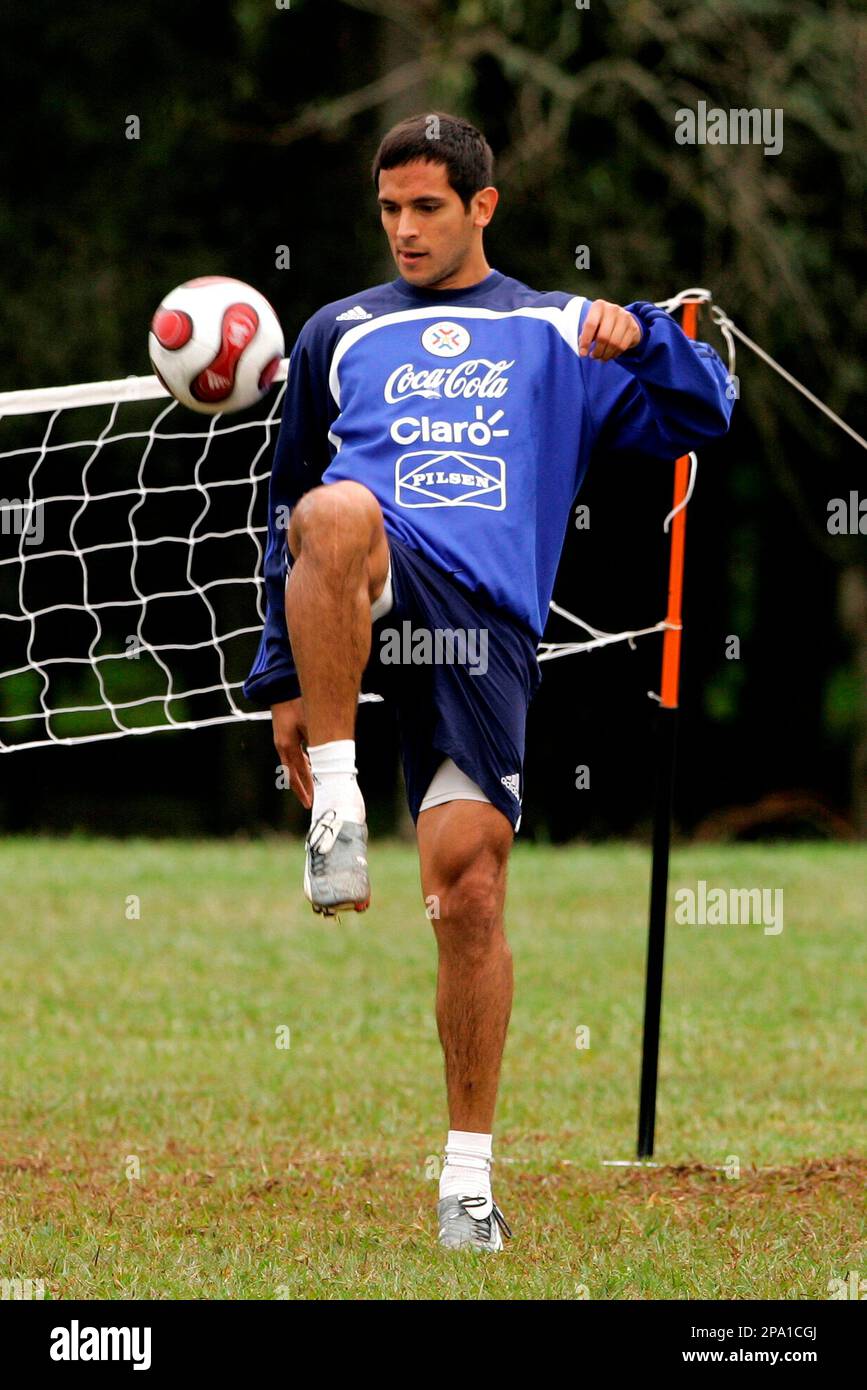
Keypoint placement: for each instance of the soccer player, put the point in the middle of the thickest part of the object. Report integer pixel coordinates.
(435, 433)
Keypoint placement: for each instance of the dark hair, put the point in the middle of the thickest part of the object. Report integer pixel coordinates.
(440, 139)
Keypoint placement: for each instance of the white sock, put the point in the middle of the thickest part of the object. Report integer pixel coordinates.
(467, 1169)
(334, 785)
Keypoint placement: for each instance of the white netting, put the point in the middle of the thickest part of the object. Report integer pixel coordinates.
(131, 542)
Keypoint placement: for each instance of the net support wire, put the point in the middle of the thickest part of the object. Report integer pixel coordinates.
(730, 331)
(694, 294)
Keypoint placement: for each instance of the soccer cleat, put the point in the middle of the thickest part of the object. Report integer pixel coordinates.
(459, 1229)
(335, 871)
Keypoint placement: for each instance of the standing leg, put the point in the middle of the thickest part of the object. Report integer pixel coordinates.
(463, 850)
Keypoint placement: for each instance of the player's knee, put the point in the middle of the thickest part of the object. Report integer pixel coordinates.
(346, 513)
(470, 903)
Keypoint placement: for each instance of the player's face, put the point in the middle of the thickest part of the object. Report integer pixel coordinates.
(433, 237)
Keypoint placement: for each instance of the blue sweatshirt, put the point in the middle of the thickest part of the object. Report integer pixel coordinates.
(472, 419)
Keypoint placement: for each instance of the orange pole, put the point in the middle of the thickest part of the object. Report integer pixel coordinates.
(670, 688)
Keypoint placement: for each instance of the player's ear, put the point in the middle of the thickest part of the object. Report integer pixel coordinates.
(483, 205)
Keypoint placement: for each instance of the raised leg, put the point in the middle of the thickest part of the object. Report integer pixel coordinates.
(340, 562)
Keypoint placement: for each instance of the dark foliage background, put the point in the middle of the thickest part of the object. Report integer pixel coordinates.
(258, 124)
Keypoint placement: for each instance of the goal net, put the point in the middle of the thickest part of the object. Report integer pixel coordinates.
(132, 534)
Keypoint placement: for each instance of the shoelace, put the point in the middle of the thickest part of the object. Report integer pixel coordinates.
(468, 1202)
(314, 838)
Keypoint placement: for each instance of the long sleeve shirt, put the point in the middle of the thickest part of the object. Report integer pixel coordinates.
(470, 416)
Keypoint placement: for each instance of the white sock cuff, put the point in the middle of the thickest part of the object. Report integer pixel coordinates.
(469, 1150)
(335, 757)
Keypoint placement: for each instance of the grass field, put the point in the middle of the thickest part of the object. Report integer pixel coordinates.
(149, 1046)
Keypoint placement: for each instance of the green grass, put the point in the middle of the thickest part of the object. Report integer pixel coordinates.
(304, 1172)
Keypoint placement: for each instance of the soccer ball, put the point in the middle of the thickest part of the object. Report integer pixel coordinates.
(215, 344)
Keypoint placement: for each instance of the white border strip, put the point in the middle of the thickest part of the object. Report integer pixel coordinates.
(130, 388)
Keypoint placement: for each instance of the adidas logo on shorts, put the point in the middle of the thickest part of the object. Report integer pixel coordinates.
(512, 783)
(356, 312)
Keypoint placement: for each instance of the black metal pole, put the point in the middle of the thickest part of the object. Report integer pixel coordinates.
(666, 751)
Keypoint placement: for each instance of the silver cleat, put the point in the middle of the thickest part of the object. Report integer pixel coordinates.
(335, 871)
(459, 1229)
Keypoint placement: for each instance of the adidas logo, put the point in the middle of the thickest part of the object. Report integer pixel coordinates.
(356, 312)
(512, 783)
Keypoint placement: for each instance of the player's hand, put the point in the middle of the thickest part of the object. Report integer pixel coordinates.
(290, 736)
(610, 329)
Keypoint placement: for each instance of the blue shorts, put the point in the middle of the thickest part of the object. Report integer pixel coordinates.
(461, 674)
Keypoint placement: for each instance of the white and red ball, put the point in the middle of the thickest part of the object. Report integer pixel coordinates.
(215, 344)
